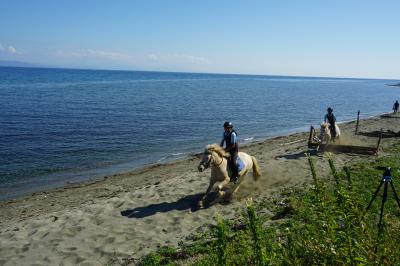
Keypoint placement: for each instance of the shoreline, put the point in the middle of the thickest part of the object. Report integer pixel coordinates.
(90, 176)
(131, 214)
(96, 178)
(188, 157)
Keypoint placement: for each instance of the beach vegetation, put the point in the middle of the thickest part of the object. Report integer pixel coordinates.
(325, 224)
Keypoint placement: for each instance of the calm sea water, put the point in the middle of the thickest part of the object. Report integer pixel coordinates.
(59, 126)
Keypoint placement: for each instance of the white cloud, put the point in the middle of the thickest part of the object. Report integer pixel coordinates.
(8, 49)
(11, 50)
(114, 58)
(94, 54)
(107, 54)
(153, 57)
(178, 58)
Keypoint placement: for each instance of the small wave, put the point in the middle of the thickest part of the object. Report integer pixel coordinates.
(177, 154)
(162, 159)
(248, 139)
(171, 156)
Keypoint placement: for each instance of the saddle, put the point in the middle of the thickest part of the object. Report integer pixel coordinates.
(239, 163)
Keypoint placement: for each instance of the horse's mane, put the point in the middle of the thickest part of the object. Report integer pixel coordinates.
(218, 149)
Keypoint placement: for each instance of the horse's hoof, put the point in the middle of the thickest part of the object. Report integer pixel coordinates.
(221, 193)
(200, 204)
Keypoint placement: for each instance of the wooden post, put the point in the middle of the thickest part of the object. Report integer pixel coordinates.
(358, 120)
(379, 141)
(310, 137)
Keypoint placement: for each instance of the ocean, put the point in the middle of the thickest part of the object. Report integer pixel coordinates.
(59, 126)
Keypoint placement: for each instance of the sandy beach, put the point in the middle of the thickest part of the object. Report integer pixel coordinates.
(131, 214)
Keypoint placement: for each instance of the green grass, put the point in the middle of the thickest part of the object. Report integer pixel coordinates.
(325, 225)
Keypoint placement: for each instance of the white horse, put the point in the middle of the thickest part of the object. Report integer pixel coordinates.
(326, 135)
(216, 157)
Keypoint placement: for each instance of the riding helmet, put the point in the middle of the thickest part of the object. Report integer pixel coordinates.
(330, 109)
(228, 124)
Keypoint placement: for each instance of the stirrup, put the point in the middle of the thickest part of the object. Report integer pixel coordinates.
(235, 180)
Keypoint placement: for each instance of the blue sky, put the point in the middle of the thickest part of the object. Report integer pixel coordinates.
(306, 38)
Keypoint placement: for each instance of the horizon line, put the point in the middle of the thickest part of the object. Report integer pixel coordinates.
(35, 65)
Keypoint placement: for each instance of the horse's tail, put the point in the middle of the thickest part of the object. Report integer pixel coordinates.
(337, 131)
(256, 169)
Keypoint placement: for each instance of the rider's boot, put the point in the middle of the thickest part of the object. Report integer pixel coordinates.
(235, 174)
(333, 132)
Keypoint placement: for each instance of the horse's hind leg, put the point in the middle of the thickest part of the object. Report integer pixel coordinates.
(236, 189)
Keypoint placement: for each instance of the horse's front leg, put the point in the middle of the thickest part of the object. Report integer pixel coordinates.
(201, 202)
(222, 184)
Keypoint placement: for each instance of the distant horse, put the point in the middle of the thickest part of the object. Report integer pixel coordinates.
(216, 157)
(326, 134)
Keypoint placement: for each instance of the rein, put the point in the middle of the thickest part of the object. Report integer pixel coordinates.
(211, 160)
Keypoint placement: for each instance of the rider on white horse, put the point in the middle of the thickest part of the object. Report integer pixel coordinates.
(331, 119)
(231, 145)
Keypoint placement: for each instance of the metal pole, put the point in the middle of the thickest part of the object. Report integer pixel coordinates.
(384, 198)
(395, 194)
(373, 197)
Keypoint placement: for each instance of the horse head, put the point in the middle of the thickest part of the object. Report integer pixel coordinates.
(213, 153)
(205, 161)
(325, 133)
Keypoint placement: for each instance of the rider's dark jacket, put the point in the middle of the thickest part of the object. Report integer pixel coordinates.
(331, 118)
(228, 142)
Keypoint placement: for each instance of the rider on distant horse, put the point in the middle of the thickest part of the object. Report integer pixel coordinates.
(331, 119)
(231, 145)
(396, 107)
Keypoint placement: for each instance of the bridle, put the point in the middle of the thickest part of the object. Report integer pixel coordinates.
(326, 132)
(210, 160)
(323, 132)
